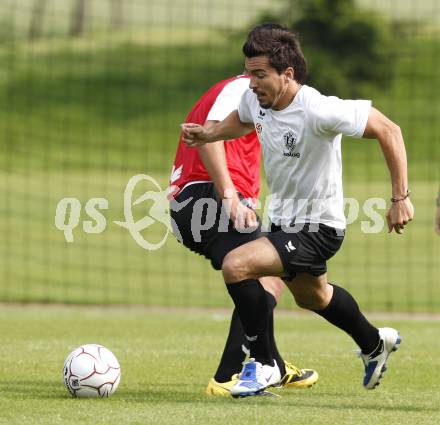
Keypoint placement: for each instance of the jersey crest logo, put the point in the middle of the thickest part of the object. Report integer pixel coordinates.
(258, 127)
(289, 140)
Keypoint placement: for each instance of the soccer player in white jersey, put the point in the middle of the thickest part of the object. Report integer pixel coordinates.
(300, 132)
(203, 178)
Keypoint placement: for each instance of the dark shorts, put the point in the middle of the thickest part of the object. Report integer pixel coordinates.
(216, 236)
(306, 250)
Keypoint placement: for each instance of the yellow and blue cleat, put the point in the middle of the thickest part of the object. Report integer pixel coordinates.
(294, 378)
(222, 389)
(298, 378)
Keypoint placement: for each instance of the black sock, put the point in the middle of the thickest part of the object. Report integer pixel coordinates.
(343, 312)
(253, 309)
(233, 355)
(275, 353)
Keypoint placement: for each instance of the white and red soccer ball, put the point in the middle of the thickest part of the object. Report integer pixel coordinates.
(91, 371)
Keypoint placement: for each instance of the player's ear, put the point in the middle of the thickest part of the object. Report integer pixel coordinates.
(289, 74)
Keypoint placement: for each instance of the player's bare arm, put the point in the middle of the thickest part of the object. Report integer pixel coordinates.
(391, 141)
(230, 128)
(214, 159)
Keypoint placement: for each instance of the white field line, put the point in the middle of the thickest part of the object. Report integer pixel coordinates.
(218, 313)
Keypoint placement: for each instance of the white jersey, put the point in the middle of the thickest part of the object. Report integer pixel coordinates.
(302, 153)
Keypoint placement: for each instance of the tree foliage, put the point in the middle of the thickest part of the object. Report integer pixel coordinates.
(348, 50)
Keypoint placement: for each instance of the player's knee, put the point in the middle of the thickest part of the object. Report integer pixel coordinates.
(304, 302)
(234, 268)
(313, 299)
(273, 285)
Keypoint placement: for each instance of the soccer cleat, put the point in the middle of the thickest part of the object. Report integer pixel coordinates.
(255, 378)
(222, 389)
(298, 378)
(376, 362)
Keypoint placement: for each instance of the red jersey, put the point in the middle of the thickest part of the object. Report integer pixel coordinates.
(242, 154)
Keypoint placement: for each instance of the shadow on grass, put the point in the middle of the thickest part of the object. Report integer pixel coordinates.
(181, 393)
(28, 390)
(372, 405)
(54, 389)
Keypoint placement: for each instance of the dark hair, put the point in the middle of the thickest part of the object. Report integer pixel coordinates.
(280, 45)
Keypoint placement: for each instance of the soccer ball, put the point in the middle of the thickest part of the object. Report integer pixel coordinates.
(91, 371)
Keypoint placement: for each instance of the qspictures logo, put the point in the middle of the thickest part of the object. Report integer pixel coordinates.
(68, 212)
(145, 204)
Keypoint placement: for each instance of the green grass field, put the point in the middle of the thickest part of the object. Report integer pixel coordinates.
(168, 356)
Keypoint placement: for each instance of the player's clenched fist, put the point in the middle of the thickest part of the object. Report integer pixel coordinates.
(399, 215)
(193, 134)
